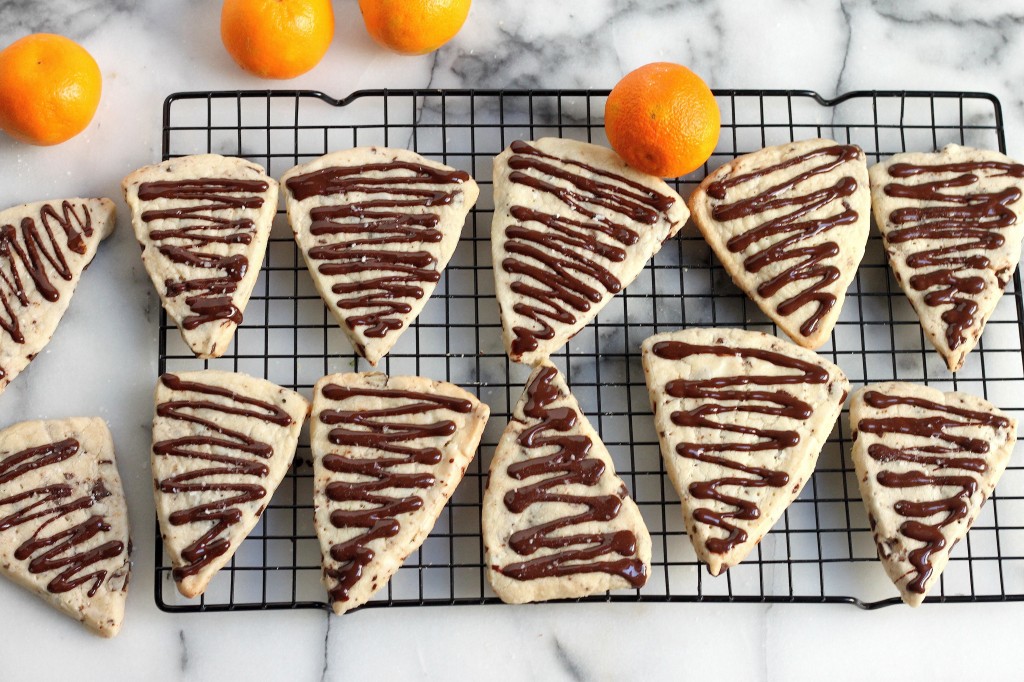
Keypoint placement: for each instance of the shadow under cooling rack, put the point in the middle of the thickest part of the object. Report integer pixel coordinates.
(820, 551)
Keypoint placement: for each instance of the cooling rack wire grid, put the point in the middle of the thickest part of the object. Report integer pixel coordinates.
(821, 551)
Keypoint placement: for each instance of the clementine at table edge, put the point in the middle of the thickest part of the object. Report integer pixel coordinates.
(50, 89)
(413, 27)
(277, 38)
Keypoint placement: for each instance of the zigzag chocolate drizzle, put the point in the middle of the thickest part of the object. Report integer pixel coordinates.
(389, 210)
(209, 298)
(246, 461)
(32, 253)
(795, 225)
(936, 449)
(542, 475)
(394, 441)
(722, 395)
(965, 223)
(553, 254)
(52, 548)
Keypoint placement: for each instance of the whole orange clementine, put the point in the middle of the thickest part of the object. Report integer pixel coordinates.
(663, 120)
(413, 26)
(49, 89)
(277, 38)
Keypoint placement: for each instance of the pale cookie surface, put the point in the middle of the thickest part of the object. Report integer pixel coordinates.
(926, 462)
(742, 417)
(44, 248)
(203, 223)
(388, 452)
(951, 223)
(558, 523)
(377, 227)
(63, 519)
(790, 225)
(573, 226)
(222, 442)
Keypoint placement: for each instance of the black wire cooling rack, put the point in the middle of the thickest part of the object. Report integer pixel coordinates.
(821, 551)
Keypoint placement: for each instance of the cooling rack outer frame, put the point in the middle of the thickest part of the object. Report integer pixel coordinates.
(164, 587)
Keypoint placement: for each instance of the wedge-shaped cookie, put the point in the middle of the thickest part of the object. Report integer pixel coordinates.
(63, 518)
(388, 452)
(44, 248)
(377, 227)
(222, 442)
(741, 417)
(203, 223)
(573, 226)
(952, 226)
(790, 224)
(926, 462)
(558, 523)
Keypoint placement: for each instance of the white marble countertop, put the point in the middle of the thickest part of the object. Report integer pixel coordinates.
(103, 359)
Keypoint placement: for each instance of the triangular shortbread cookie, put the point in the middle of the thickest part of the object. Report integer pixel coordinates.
(573, 226)
(558, 523)
(926, 462)
(790, 225)
(63, 518)
(203, 223)
(44, 248)
(222, 442)
(388, 452)
(377, 226)
(952, 222)
(742, 417)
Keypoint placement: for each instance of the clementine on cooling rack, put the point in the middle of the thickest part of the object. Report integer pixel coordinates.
(413, 26)
(49, 89)
(662, 119)
(277, 38)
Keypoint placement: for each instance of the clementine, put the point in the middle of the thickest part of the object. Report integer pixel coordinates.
(413, 26)
(49, 89)
(662, 119)
(277, 38)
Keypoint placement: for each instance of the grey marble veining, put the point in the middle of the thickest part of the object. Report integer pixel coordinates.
(103, 361)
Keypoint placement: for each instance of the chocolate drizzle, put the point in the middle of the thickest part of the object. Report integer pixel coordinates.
(32, 250)
(230, 453)
(61, 550)
(208, 298)
(793, 222)
(720, 395)
(938, 449)
(377, 205)
(551, 256)
(392, 439)
(966, 224)
(569, 465)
